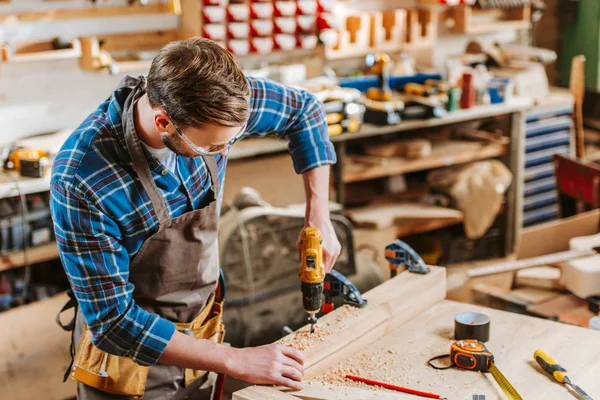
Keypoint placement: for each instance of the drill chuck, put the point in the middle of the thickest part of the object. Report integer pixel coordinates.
(311, 297)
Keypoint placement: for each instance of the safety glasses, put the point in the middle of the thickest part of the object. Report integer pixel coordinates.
(214, 149)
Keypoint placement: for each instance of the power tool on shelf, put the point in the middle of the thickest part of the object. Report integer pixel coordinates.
(399, 253)
(315, 283)
(381, 106)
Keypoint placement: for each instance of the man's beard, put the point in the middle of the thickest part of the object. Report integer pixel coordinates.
(177, 145)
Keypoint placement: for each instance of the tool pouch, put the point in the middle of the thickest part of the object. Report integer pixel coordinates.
(208, 325)
(121, 375)
(107, 372)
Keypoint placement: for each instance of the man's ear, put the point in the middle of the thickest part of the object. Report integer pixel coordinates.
(161, 120)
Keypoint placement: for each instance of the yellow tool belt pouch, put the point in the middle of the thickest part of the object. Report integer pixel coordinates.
(107, 372)
(207, 325)
(121, 375)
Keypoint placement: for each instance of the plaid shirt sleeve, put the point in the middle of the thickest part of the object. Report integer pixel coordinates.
(97, 266)
(294, 114)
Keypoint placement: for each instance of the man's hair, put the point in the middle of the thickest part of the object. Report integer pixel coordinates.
(197, 81)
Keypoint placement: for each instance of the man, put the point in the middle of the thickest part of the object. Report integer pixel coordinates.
(136, 193)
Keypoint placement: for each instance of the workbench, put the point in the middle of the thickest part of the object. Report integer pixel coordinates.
(400, 358)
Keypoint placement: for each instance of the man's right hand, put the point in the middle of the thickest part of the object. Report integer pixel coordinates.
(273, 364)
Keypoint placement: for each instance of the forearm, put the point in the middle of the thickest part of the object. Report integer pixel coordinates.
(189, 352)
(316, 189)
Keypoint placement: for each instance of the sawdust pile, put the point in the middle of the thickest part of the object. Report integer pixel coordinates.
(303, 339)
(380, 367)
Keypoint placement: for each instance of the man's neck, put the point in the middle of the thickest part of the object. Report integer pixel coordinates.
(143, 115)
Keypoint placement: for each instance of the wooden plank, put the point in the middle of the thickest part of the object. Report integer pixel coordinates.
(346, 330)
(446, 153)
(381, 216)
(90, 12)
(556, 306)
(541, 277)
(35, 255)
(554, 236)
(35, 352)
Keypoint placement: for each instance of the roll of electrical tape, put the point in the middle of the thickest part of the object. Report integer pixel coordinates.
(472, 325)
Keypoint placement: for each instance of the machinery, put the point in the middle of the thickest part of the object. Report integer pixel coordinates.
(314, 283)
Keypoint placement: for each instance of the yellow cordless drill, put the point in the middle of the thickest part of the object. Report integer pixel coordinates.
(312, 273)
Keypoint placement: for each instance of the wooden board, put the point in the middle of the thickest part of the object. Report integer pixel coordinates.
(347, 330)
(541, 277)
(384, 215)
(35, 352)
(401, 357)
(443, 154)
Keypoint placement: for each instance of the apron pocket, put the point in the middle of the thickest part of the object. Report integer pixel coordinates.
(212, 329)
(107, 372)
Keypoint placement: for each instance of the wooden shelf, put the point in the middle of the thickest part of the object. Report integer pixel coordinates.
(8, 188)
(36, 255)
(66, 13)
(414, 227)
(509, 19)
(443, 154)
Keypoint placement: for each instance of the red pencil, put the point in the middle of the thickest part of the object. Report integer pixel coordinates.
(394, 387)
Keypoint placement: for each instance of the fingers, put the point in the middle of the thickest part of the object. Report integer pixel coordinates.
(293, 364)
(294, 354)
(290, 384)
(292, 373)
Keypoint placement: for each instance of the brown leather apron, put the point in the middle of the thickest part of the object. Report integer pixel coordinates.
(175, 274)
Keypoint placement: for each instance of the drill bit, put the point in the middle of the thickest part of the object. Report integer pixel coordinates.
(312, 320)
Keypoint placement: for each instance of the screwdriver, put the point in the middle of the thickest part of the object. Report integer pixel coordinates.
(551, 366)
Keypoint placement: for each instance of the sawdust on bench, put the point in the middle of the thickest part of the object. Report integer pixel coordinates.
(303, 339)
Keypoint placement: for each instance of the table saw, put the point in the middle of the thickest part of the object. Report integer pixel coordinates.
(406, 323)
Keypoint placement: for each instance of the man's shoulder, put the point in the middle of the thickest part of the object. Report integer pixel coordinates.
(95, 146)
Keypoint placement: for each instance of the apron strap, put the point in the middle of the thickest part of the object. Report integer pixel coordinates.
(140, 163)
(71, 303)
(213, 172)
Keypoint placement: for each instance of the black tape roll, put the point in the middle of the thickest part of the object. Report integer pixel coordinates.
(472, 325)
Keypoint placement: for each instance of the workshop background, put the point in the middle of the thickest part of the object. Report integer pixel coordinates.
(469, 129)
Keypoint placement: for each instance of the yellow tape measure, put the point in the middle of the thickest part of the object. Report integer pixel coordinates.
(504, 384)
(473, 355)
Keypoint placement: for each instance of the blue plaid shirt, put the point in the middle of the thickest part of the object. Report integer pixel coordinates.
(102, 216)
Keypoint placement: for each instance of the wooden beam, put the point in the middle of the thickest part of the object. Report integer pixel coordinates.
(191, 18)
(90, 12)
(346, 331)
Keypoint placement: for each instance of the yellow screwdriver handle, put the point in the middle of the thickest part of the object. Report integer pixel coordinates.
(551, 366)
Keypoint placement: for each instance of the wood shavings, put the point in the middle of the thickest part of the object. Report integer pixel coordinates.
(303, 338)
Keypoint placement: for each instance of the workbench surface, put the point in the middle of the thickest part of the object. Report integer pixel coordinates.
(400, 358)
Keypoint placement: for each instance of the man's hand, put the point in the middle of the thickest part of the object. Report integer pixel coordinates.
(316, 187)
(273, 364)
(331, 244)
